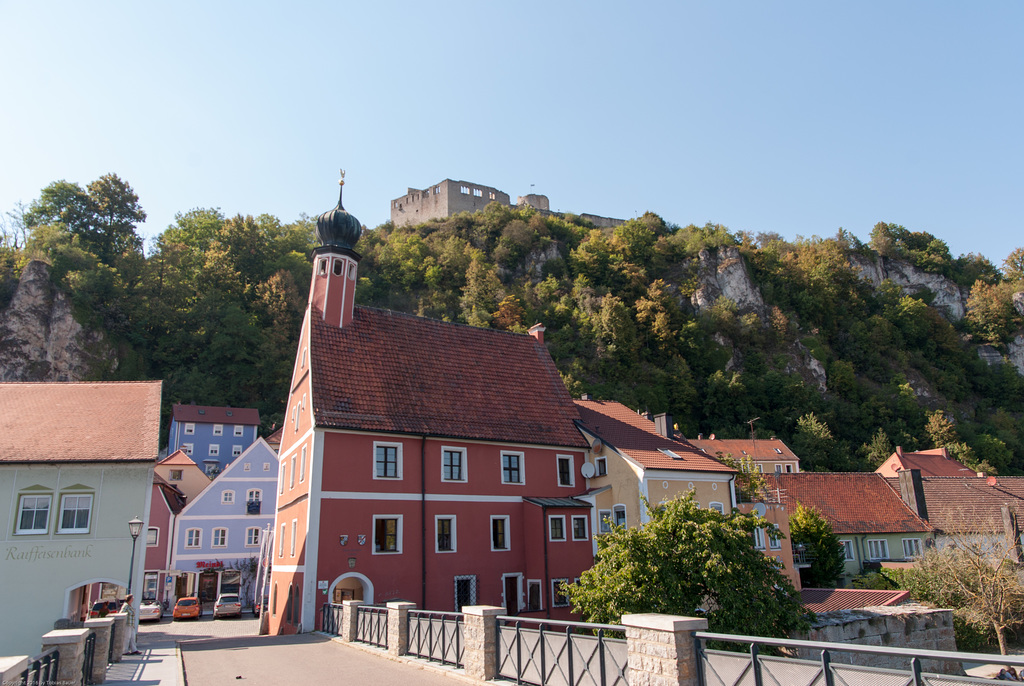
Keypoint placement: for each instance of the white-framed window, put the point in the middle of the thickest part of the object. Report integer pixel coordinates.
(556, 527)
(760, 468)
(218, 429)
(512, 468)
(236, 450)
(499, 532)
(619, 515)
(847, 549)
(911, 548)
(789, 469)
(387, 534)
(579, 528)
(266, 466)
(295, 536)
(280, 482)
(602, 466)
(252, 537)
(220, 537)
(190, 429)
(778, 469)
(453, 464)
(175, 475)
(878, 549)
(227, 497)
(75, 511)
(774, 542)
(559, 598)
(193, 538)
(33, 514)
(214, 450)
(534, 595)
(445, 540)
(291, 477)
(387, 460)
(280, 540)
(253, 495)
(152, 537)
(187, 449)
(759, 538)
(717, 506)
(566, 473)
(302, 466)
(238, 430)
(604, 521)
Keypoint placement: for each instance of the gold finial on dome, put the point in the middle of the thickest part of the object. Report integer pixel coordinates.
(342, 182)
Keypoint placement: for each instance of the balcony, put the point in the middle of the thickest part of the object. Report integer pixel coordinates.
(253, 507)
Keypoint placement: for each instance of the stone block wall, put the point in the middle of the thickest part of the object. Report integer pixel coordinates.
(913, 627)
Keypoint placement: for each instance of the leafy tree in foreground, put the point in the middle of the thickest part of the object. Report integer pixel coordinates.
(808, 527)
(688, 559)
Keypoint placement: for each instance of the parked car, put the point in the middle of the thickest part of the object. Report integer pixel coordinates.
(150, 610)
(186, 608)
(227, 605)
(102, 608)
(257, 607)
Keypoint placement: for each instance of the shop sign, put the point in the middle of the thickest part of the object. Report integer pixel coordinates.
(216, 564)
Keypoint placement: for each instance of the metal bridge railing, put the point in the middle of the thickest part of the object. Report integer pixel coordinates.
(437, 636)
(372, 625)
(554, 653)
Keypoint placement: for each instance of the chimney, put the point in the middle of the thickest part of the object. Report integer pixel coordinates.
(537, 331)
(663, 425)
(700, 437)
(912, 491)
(1012, 532)
(586, 396)
(899, 451)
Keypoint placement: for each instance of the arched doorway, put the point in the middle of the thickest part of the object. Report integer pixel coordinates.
(79, 597)
(351, 586)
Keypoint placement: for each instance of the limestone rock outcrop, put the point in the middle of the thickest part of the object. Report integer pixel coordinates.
(950, 299)
(722, 273)
(40, 339)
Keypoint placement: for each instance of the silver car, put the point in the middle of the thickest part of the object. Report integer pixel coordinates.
(227, 605)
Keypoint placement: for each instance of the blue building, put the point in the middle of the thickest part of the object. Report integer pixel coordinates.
(212, 436)
(218, 536)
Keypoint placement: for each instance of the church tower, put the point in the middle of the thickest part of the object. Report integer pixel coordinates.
(332, 293)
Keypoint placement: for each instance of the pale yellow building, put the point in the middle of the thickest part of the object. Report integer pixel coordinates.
(180, 471)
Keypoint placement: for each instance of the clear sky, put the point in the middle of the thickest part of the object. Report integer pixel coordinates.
(797, 118)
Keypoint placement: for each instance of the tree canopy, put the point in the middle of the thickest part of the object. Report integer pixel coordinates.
(808, 528)
(690, 560)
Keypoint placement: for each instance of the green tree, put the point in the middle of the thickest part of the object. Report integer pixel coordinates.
(808, 528)
(1013, 265)
(690, 559)
(815, 444)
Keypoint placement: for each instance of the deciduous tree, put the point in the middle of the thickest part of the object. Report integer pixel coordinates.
(808, 528)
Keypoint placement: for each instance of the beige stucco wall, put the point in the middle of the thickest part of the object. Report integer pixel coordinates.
(860, 548)
(777, 514)
(193, 481)
(40, 571)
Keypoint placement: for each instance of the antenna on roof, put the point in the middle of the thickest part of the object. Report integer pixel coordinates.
(753, 438)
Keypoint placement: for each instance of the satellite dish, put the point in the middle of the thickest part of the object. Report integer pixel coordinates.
(597, 446)
(588, 470)
(760, 509)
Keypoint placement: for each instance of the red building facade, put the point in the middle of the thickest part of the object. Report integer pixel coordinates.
(422, 461)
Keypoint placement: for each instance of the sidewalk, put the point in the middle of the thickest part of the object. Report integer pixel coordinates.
(157, 665)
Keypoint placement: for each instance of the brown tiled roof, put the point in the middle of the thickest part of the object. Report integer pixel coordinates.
(397, 373)
(935, 462)
(177, 457)
(80, 422)
(852, 502)
(173, 496)
(275, 438)
(635, 436)
(737, 448)
(970, 504)
(216, 415)
(829, 599)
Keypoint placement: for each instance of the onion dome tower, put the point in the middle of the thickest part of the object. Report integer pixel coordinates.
(332, 293)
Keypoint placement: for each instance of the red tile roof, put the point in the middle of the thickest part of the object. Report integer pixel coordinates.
(635, 436)
(216, 415)
(935, 462)
(829, 599)
(177, 457)
(397, 373)
(970, 504)
(80, 422)
(852, 502)
(737, 448)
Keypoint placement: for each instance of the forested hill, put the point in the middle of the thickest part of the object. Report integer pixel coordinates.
(843, 350)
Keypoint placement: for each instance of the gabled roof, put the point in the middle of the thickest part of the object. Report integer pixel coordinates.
(852, 502)
(635, 436)
(215, 415)
(770, 449)
(177, 457)
(970, 504)
(80, 422)
(396, 373)
(934, 462)
(260, 446)
(173, 496)
(829, 599)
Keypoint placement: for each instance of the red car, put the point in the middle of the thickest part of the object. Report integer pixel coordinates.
(102, 608)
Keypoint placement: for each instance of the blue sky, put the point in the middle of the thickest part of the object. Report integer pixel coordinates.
(797, 118)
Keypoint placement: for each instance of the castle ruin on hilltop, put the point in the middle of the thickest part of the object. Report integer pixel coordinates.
(450, 197)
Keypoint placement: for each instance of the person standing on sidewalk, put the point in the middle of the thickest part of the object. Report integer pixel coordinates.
(129, 607)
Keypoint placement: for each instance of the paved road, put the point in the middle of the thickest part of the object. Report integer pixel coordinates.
(296, 661)
(190, 629)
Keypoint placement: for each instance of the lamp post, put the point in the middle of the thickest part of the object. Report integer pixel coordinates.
(134, 528)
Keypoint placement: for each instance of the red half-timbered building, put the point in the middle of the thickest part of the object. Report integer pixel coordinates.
(422, 460)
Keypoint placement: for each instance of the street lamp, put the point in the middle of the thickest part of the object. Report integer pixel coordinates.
(134, 528)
